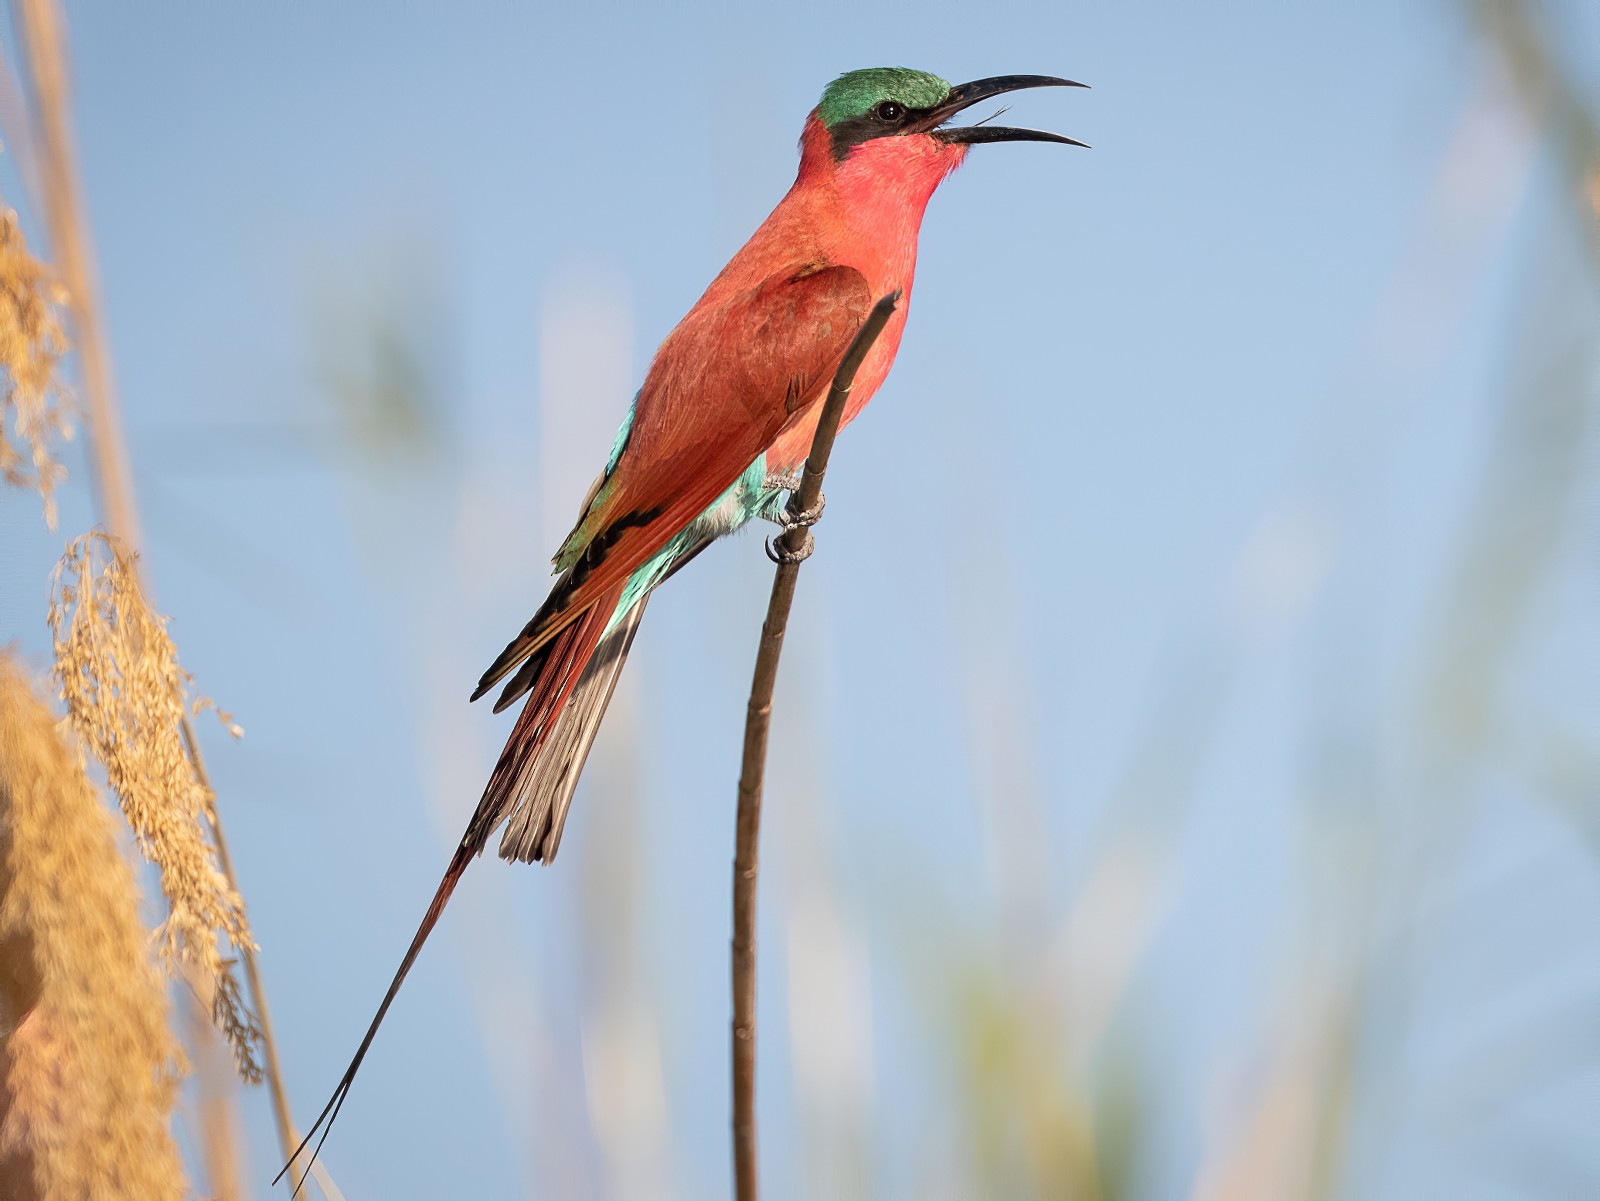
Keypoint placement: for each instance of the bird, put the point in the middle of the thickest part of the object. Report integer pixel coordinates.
(715, 437)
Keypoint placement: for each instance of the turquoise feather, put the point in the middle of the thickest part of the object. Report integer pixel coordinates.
(748, 497)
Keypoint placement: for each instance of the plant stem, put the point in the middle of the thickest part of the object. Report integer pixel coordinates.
(44, 43)
(288, 1136)
(758, 722)
(46, 56)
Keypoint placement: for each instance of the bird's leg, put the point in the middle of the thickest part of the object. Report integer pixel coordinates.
(787, 516)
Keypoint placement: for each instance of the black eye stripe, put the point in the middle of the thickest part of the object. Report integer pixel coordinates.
(876, 122)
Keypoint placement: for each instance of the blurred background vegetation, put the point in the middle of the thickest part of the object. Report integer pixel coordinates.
(1211, 811)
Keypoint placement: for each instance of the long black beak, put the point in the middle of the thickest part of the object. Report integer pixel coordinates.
(967, 94)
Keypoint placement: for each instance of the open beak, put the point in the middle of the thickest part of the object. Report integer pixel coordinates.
(967, 94)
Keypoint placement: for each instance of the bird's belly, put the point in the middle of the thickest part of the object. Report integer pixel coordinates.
(744, 500)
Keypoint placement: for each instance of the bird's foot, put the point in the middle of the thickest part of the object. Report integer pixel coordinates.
(791, 520)
(780, 554)
(805, 518)
(785, 516)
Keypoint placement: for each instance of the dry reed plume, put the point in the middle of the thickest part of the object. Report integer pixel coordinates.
(31, 345)
(116, 665)
(124, 691)
(88, 1066)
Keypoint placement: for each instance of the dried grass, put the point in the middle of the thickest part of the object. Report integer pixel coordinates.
(88, 1065)
(31, 345)
(125, 696)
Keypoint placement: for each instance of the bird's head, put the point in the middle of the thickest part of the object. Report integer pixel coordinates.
(896, 102)
(892, 120)
(882, 133)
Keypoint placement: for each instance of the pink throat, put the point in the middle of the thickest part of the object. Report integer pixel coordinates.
(880, 191)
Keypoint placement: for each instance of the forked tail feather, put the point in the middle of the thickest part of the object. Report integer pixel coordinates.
(564, 668)
(544, 783)
(330, 1112)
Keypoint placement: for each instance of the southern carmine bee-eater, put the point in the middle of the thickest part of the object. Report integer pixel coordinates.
(716, 434)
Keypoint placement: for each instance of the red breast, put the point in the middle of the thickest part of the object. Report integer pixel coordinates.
(863, 211)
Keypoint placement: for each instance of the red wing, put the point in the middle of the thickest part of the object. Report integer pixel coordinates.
(722, 386)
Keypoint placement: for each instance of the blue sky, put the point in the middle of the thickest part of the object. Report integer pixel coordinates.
(1182, 448)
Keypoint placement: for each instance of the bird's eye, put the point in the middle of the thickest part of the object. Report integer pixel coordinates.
(890, 111)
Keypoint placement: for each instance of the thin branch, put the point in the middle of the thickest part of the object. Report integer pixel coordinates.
(281, 1117)
(46, 57)
(793, 545)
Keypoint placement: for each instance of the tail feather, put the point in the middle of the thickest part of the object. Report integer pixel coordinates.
(330, 1112)
(517, 650)
(564, 661)
(535, 637)
(544, 784)
(522, 683)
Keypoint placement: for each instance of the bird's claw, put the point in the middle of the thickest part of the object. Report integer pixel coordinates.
(780, 554)
(789, 519)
